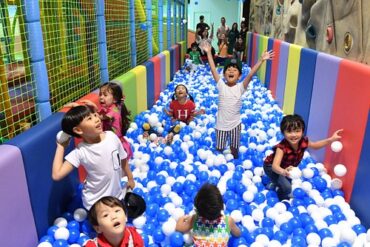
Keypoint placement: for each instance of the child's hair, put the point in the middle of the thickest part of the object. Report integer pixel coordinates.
(109, 201)
(74, 117)
(292, 122)
(194, 45)
(208, 202)
(235, 63)
(117, 93)
(186, 89)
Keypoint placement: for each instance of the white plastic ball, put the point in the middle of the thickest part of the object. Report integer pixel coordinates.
(340, 170)
(139, 222)
(262, 240)
(80, 214)
(336, 184)
(274, 243)
(62, 137)
(60, 222)
(169, 227)
(177, 201)
(257, 214)
(44, 244)
(153, 120)
(313, 239)
(61, 233)
(153, 137)
(248, 196)
(236, 215)
(167, 150)
(336, 146)
(188, 239)
(165, 189)
(328, 242)
(177, 213)
(247, 164)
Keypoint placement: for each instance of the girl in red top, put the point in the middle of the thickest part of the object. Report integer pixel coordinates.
(108, 217)
(289, 153)
(182, 108)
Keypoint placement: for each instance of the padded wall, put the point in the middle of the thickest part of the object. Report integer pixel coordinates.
(263, 47)
(306, 77)
(49, 199)
(141, 95)
(157, 76)
(172, 61)
(150, 83)
(291, 78)
(168, 61)
(15, 210)
(282, 73)
(350, 110)
(275, 67)
(270, 45)
(163, 76)
(250, 47)
(322, 100)
(128, 82)
(360, 199)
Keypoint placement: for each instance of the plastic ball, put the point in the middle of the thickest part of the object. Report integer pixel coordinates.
(336, 184)
(44, 244)
(139, 222)
(80, 214)
(340, 170)
(169, 227)
(176, 239)
(62, 137)
(336, 146)
(158, 235)
(60, 222)
(61, 233)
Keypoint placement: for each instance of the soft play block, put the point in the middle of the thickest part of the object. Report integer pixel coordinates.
(275, 66)
(141, 83)
(172, 61)
(176, 57)
(49, 199)
(163, 62)
(360, 199)
(263, 47)
(291, 78)
(282, 71)
(168, 60)
(157, 76)
(256, 47)
(250, 47)
(350, 110)
(270, 46)
(183, 48)
(128, 83)
(15, 210)
(306, 77)
(149, 83)
(322, 98)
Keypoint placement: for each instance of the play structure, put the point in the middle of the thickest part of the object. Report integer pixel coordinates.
(329, 92)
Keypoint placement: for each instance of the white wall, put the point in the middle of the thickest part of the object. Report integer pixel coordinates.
(213, 10)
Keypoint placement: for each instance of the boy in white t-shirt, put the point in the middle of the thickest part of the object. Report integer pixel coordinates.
(101, 153)
(228, 124)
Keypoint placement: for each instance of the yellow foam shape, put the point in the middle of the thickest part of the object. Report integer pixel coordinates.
(291, 78)
(155, 47)
(141, 88)
(264, 43)
(168, 60)
(183, 51)
(140, 11)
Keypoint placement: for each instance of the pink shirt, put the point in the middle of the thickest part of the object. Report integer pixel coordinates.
(114, 121)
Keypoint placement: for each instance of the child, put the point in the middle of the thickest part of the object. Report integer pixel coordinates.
(108, 216)
(113, 112)
(101, 153)
(181, 109)
(228, 124)
(194, 54)
(289, 153)
(210, 227)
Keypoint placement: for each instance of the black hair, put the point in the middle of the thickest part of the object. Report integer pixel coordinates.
(74, 117)
(194, 44)
(208, 202)
(109, 201)
(117, 93)
(292, 122)
(186, 89)
(201, 17)
(233, 63)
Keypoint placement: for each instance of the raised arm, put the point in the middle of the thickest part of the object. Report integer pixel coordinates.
(322, 143)
(60, 168)
(265, 56)
(211, 33)
(207, 48)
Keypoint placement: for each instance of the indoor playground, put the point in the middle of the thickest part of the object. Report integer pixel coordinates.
(57, 52)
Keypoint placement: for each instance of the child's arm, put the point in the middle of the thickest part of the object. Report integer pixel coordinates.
(185, 223)
(207, 48)
(60, 168)
(199, 112)
(130, 178)
(90, 103)
(265, 56)
(212, 28)
(322, 143)
(276, 163)
(235, 230)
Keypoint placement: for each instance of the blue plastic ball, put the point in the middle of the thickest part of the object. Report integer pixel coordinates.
(176, 239)
(281, 236)
(60, 243)
(158, 235)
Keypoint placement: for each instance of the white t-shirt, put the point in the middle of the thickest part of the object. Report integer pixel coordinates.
(229, 105)
(102, 162)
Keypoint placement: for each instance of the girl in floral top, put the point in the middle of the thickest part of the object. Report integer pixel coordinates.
(210, 228)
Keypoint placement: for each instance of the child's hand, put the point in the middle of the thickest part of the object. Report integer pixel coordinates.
(267, 55)
(89, 103)
(285, 172)
(72, 104)
(205, 46)
(131, 183)
(336, 136)
(202, 111)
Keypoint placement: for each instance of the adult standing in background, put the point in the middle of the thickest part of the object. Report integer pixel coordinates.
(223, 29)
(243, 30)
(233, 34)
(201, 25)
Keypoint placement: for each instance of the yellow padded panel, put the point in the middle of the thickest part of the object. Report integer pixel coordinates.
(141, 88)
(168, 61)
(264, 43)
(291, 78)
(128, 84)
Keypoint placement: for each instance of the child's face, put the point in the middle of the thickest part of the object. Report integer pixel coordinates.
(293, 136)
(232, 75)
(240, 40)
(106, 97)
(194, 48)
(180, 92)
(90, 127)
(111, 220)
